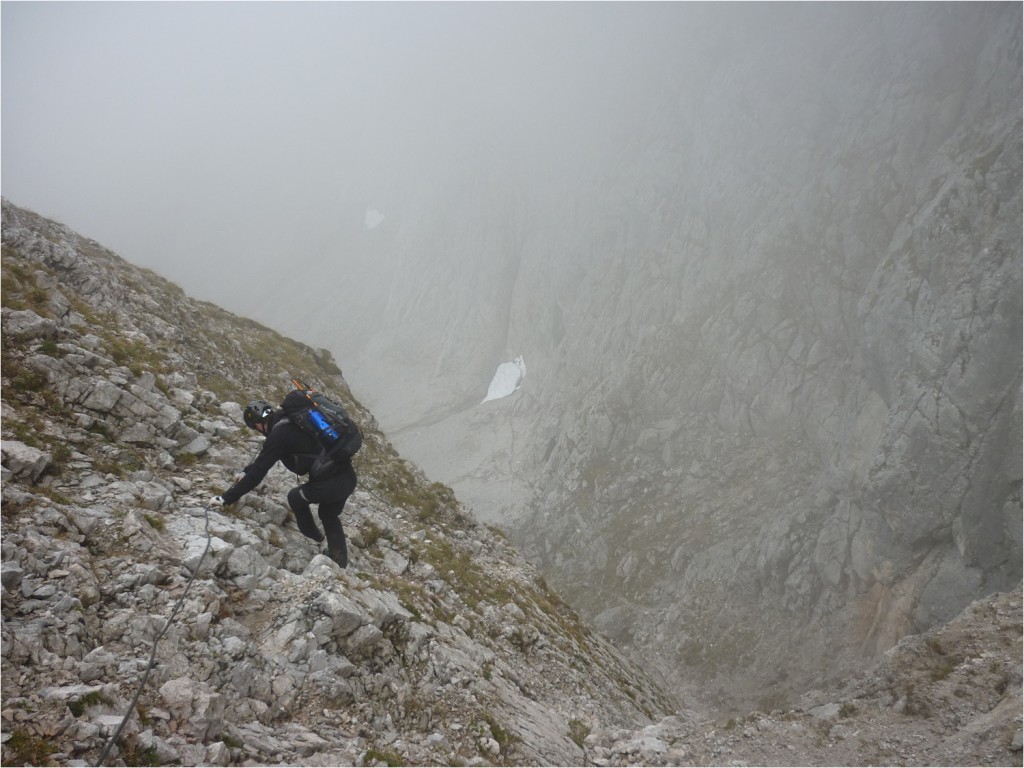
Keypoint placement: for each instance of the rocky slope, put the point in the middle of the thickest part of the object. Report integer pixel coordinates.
(121, 417)
(773, 335)
(439, 645)
(949, 697)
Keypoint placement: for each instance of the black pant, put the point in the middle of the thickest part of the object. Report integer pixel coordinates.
(330, 494)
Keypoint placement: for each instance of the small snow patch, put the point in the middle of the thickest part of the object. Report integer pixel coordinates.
(506, 379)
(373, 218)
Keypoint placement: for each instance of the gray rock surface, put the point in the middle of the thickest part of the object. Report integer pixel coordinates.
(267, 652)
(440, 645)
(24, 461)
(773, 335)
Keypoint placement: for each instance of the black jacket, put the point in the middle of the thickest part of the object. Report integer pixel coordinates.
(285, 442)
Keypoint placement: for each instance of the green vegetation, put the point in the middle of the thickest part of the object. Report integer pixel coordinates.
(396, 482)
(156, 522)
(132, 755)
(374, 755)
(497, 533)
(772, 702)
(61, 453)
(143, 712)
(436, 498)
(186, 459)
(371, 533)
(11, 509)
(414, 597)
(276, 538)
(19, 288)
(108, 466)
(102, 429)
(135, 354)
(92, 699)
(942, 672)
(224, 389)
(499, 734)
(935, 646)
(159, 281)
(230, 741)
(578, 732)
(24, 379)
(915, 704)
(27, 428)
(25, 749)
(465, 576)
(54, 495)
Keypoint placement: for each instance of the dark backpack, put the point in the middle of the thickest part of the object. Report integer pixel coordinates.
(338, 435)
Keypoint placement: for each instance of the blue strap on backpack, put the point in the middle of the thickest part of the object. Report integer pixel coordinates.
(339, 436)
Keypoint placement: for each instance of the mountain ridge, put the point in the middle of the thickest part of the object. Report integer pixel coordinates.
(121, 418)
(441, 645)
(774, 337)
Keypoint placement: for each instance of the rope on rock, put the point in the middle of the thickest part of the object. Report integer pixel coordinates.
(156, 642)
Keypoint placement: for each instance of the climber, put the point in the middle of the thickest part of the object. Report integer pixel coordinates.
(297, 450)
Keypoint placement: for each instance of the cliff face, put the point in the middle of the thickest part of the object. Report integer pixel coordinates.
(803, 437)
(439, 645)
(773, 336)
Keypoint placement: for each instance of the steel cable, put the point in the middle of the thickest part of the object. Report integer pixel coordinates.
(156, 642)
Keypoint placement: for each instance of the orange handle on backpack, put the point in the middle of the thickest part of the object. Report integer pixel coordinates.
(305, 388)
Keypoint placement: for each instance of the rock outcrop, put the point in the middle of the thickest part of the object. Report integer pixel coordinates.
(121, 418)
(949, 697)
(440, 645)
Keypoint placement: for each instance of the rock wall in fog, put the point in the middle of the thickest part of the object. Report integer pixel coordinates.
(772, 421)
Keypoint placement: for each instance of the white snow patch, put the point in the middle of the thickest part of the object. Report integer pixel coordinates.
(506, 379)
(373, 218)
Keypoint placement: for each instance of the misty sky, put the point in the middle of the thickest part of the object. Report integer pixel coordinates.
(201, 139)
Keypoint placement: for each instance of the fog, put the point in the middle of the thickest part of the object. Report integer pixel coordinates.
(755, 269)
(215, 141)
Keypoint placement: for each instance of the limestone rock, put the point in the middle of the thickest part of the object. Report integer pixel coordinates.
(28, 324)
(24, 460)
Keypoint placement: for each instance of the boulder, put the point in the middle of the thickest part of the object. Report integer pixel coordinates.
(27, 324)
(24, 461)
